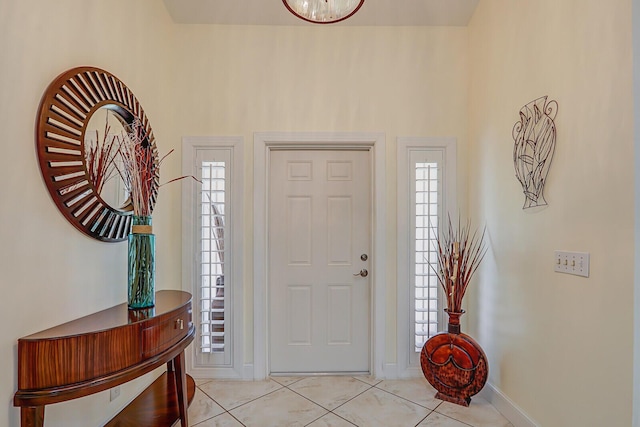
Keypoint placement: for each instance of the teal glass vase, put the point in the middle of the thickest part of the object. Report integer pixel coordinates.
(142, 264)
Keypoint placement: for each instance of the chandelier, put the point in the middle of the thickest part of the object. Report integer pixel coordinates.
(323, 11)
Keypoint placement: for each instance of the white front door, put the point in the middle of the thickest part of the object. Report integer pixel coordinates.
(319, 241)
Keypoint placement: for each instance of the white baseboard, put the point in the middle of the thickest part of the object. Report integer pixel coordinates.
(506, 407)
(247, 373)
(214, 373)
(490, 393)
(389, 372)
(412, 372)
(244, 373)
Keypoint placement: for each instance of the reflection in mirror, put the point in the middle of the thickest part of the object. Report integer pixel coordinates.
(103, 137)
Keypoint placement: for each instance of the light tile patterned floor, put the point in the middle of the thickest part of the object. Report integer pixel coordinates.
(333, 402)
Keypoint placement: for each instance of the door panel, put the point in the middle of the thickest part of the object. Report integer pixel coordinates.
(319, 226)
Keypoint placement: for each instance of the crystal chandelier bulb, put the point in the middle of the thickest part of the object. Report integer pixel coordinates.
(323, 11)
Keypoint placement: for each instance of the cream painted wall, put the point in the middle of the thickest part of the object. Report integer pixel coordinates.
(400, 81)
(538, 327)
(559, 346)
(636, 299)
(192, 80)
(50, 272)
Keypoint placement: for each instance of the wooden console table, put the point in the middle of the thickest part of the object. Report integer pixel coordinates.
(103, 350)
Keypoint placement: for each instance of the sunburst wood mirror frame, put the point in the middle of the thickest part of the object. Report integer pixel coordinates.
(64, 113)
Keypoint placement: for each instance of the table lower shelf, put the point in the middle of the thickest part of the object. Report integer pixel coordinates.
(156, 406)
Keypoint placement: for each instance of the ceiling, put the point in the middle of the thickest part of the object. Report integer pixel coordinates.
(273, 12)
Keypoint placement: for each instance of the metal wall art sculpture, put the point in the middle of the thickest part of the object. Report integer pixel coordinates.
(535, 142)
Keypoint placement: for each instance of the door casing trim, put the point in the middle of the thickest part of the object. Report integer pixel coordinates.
(263, 143)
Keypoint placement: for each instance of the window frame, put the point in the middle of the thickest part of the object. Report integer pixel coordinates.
(408, 363)
(232, 148)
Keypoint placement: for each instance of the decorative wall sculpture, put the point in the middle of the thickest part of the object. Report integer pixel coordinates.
(535, 142)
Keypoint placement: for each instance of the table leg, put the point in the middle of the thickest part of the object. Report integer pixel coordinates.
(32, 416)
(181, 388)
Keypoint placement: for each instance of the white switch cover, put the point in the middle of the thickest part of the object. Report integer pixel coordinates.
(576, 263)
(114, 393)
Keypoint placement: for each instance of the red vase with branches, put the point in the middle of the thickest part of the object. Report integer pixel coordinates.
(453, 362)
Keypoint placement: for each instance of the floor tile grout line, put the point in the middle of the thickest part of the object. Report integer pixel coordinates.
(443, 415)
(214, 401)
(253, 400)
(288, 386)
(368, 383)
(370, 386)
(219, 415)
(408, 400)
(245, 403)
(305, 397)
(239, 422)
(313, 421)
(449, 416)
(385, 391)
(342, 404)
(425, 417)
(228, 411)
(455, 419)
(343, 418)
(331, 411)
(349, 400)
(403, 398)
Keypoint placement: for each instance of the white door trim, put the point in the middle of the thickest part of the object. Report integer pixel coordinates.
(190, 232)
(263, 143)
(405, 145)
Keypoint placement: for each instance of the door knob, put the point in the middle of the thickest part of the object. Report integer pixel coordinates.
(362, 273)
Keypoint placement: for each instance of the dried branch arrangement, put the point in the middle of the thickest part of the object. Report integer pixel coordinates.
(100, 158)
(459, 255)
(133, 158)
(140, 169)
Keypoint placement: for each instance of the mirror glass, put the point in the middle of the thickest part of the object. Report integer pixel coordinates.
(105, 132)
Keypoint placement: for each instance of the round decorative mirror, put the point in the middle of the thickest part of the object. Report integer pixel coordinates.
(84, 117)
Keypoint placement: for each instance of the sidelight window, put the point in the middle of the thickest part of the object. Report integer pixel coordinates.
(212, 253)
(426, 192)
(427, 196)
(213, 310)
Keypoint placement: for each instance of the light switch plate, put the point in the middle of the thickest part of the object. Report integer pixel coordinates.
(114, 393)
(576, 263)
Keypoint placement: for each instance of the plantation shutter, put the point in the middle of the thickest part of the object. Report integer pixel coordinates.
(212, 307)
(212, 255)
